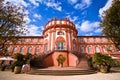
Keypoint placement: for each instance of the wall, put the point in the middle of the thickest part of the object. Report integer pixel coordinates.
(51, 60)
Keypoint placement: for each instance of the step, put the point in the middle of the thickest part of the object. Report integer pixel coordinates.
(61, 72)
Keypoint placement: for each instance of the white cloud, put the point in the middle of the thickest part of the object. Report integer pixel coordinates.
(88, 26)
(37, 16)
(34, 20)
(34, 30)
(48, 3)
(107, 6)
(18, 2)
(35, 2)
(89, 34)
(54, 5)
(72, 1)
(84, 4)
(73, 19)
(98, 30)
(27, 19)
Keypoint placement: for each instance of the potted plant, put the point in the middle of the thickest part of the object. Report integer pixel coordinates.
(61, 60)
(3, 66)
(18, 64)
(102, 62)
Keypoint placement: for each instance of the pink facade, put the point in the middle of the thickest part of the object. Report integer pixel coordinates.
(60, 37)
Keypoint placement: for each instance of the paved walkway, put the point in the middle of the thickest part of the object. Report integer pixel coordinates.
(8, 75)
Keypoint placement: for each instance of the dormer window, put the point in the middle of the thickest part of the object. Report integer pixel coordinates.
(60, 33)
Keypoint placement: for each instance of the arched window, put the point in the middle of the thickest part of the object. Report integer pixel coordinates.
(104, 49)
(60, 45)
(101, 40)
(111, 49)
(37, 50)
(15, 50)
(22, 50)
(94, 40)
(88, 40)
(81, 39)
(45, 48)
(30, 50)
(82, 49)
(97, 49)
(8, 49)
(90, 49)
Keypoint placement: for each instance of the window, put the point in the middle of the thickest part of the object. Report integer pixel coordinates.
(74, 47)
(22, 50)
(45, 48)
(88, 40)
(30, 50)
(32, 39)
(94, 40)
(81, 40)
(108, 40)
(101, 40)
(60, 46)
(111, 49)
(38, 40)
(97, 49)
(37, 50)
(15, 50)
(104, 49)
(8, 49)
(60, 33)
(90, 49)
(82, 49)
(25, 40)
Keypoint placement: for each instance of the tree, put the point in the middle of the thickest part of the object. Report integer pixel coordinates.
(12, 24)
(110, 23)
(61, 59)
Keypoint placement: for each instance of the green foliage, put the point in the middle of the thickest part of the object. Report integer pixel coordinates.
(19, 57)
(102, 62)
(12, 66)
(19, 63)
(27, 58)
(61, 59)
(12, 24)
(116, 63)
(100, 59)
(110, 23)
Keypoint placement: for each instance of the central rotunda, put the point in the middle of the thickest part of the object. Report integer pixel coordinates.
(60, 38)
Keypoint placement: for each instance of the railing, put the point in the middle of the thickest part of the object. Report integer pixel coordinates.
(61, 49)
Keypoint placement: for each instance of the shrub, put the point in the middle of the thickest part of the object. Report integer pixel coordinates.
(19, 57)
(102, 61)
(61, 60)
(19, 63)
(27, 58)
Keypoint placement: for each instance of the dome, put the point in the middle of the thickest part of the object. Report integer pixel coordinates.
(65, 23)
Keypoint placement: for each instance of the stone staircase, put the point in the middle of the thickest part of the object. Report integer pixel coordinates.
(61, 71)
(83, 64)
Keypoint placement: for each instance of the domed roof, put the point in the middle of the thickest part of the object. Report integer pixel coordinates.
(65, 23)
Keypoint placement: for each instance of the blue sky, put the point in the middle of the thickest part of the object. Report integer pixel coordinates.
(86, 14)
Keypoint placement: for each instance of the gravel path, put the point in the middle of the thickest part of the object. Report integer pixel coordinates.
(7, 75)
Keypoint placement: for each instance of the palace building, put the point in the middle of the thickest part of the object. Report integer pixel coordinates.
(60, 37)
